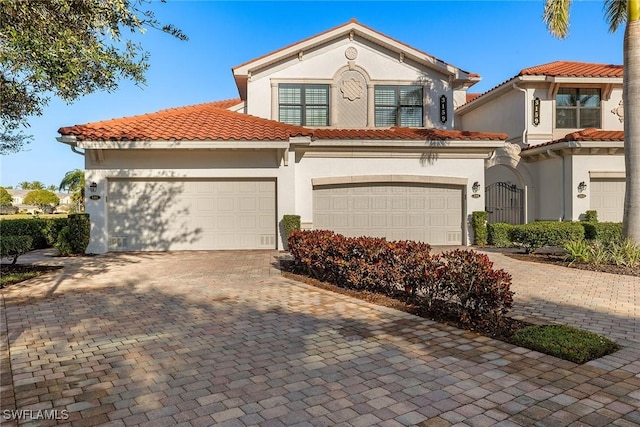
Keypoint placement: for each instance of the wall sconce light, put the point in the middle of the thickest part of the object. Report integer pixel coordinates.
(582, 187)
(93, 187)
(475, 188)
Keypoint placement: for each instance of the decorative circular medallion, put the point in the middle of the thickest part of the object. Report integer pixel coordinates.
(351, 53)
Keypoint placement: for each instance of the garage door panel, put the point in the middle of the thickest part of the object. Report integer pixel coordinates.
(190, 214)
(395, 211)
(607, 198)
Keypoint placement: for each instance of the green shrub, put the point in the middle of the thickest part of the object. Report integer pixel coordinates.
(52, 228)
(605, 232)
(79, 232)
(565, 342)
(577, 250)
(479, 224)
(63, 242)
(14, 246)
(499, 234)
(290, 223)
(536, 235)
(32, 227)
(590, 216)
(625, 252)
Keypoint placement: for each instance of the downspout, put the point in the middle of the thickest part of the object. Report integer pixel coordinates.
(526, 112)
(553, 155)
(524, 141)
(75, 150)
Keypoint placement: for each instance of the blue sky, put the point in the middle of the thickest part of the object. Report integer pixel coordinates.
(495, 39)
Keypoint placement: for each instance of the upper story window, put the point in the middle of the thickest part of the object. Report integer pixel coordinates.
(304, 104)
(398, 106)
(578, 108)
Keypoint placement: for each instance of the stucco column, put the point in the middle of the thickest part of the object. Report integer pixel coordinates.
(333, 107)
(274, 101)
(371, 106)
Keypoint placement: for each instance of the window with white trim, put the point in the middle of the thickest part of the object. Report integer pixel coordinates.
(303, 104)
(398, 106)
(578, 108)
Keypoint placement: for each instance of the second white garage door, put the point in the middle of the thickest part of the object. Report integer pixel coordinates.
(607, 198)
(202, 214)
(426, 213)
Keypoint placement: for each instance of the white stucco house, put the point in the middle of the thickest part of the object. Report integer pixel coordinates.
(350, 129)
(565, 149)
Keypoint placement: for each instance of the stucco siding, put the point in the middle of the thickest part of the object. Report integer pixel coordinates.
(326, 65)
(503, 114)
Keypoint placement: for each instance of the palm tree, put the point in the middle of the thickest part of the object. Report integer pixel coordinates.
(556, 16)
(73, 182)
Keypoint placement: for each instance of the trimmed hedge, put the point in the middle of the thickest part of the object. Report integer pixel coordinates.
(499, 234)
(14, 246)
(45, 233)
(590, 216)
(536, 235)
(290, 223)
(479, 224)
(32, 227)
(74, 238)
(604, 232)
(459, 283)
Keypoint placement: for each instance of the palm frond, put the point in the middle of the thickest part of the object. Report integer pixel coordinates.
(556, 17)
(616, 13)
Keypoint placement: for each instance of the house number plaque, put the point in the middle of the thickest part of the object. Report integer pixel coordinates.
(94, 197)
(443, 109)
(536, 111)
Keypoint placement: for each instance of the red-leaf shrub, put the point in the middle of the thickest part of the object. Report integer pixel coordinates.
(468, 282)
(457, 283)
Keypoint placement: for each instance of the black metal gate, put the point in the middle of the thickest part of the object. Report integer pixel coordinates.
(504, 202)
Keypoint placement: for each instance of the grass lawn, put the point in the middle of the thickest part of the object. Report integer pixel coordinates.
(12, 274)
(27, 216)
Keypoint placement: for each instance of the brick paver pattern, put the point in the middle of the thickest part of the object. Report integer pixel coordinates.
(220, 338)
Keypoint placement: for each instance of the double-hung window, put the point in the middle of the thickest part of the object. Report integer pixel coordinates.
(398, 106)
(304, 104)
(577, 108)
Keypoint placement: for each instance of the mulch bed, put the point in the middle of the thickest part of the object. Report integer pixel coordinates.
(559, 260)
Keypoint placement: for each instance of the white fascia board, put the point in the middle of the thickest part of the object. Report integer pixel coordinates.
(570, 144)
(411, 143)
(498, 91)
(585, 80)
(180, 145)
(67, 139)
(366, 33)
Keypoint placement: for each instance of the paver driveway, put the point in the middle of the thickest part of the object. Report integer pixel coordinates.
(219, 338)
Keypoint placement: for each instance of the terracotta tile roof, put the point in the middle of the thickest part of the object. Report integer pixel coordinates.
(406, 133)
(585, 135)
(211, 122)
(472, 96)
(561, 69)
(573, 69)
(201, 122)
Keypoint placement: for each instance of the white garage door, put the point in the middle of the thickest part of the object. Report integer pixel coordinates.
(607, 198)
(191, 214)
(431, 214)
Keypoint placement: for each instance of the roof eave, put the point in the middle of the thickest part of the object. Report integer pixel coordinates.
(181, 144)
(256, 65)
(564, 145)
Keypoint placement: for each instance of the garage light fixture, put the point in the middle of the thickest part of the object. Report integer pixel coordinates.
(475, 187)
(582, 187)
(93, 187)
